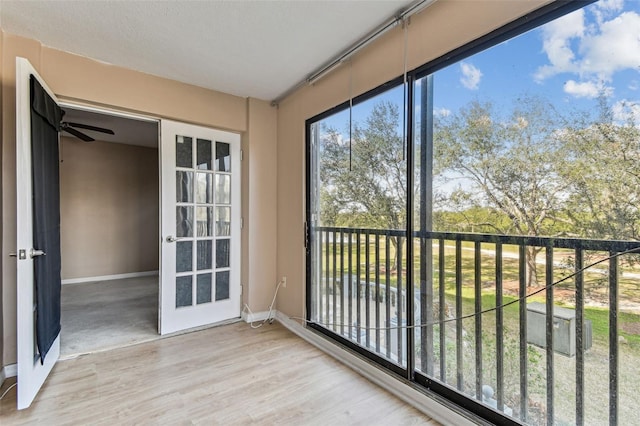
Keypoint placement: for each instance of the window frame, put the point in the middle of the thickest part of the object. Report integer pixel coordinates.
(532, 20)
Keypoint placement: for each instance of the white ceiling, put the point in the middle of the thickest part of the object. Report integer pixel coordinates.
(247, 48)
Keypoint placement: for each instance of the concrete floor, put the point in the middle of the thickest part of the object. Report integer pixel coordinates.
(108, 314)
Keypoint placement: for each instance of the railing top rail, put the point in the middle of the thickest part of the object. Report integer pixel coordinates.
(363, 231)
(555, 242)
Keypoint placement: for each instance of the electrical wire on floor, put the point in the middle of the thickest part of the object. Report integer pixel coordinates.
(475, 314)
(7, 390)
(268, 319)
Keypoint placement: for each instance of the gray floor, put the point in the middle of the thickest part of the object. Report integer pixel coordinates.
(108, 314)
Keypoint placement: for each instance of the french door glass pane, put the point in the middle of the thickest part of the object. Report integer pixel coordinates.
(222, 253)
(204, 218)
(223, 189)
(184, 291)
(204, 155)
(204, 188)
(203, 288)
(184, 221)
(184, 151)
(223, 221)
(205, 255)
(184, 187)
(222, 285)
(223, 157)
(184, 256)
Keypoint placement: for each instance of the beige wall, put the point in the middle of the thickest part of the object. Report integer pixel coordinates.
(1, 226)
(259, 208)
(432, 33)
(108, 209)
(81, 79)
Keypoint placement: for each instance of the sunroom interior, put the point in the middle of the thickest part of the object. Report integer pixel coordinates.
(448, 205)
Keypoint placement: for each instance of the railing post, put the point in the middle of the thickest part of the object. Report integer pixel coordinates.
(499, 331)
(341, 281)
(334, 295)
(524, 354)
(387, 296)
(459, 354)
(399, 305)
(613, 340)
(549, 332)
(377, 248)
(327, 289)
(478, 317)
(579, 280)
(442, 302)
(426, 305)
(367, 304)
(358, 287)
(350, 284)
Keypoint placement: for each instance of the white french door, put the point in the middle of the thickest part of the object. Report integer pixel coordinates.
(31, 372)
(200, 201)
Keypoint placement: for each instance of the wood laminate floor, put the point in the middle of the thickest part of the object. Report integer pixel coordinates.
(228, 375)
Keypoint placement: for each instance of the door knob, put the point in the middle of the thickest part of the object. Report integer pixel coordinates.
(35, 253)
(171, 239)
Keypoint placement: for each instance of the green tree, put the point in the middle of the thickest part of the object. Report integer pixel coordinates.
(604, 171)
(364, 180)
(507, 164)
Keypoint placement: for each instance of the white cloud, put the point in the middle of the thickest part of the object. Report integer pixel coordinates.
(441, 112)
(605, 8)
(610, 5)
(615, 48)
(586, 89)
(557, 36)
(595, 52)
(624, 111)
(470, 76)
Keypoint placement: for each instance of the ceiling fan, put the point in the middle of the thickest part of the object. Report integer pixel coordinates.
(72, 128)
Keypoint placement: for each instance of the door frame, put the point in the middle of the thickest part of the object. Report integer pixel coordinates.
(106, 110)
(114, 111)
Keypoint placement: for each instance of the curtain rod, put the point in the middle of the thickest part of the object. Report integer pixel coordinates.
(325, 69)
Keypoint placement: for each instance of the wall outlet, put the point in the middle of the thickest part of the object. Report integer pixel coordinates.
(284, 281)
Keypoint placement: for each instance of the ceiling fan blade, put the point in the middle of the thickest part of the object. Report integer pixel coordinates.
(88, 127)
(77, 134)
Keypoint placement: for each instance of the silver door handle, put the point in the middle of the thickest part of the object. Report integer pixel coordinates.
(171, 239)
(35, 253)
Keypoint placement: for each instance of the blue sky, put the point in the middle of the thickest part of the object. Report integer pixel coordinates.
(569, 61)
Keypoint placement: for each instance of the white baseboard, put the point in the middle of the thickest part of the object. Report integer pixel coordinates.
(10, 370)
(109, 277)
(422, 401)
(255, 316)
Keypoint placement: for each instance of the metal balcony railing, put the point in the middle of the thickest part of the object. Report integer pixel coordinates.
(524, 327)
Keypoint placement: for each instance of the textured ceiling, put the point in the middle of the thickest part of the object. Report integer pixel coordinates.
(246, 48)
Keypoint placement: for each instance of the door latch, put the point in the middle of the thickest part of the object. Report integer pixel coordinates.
(21, 255)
